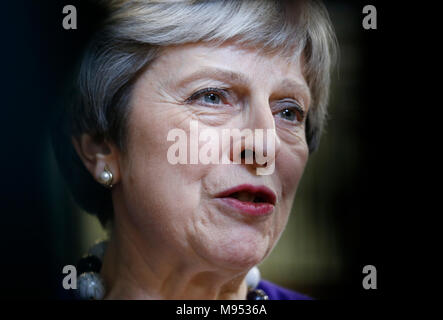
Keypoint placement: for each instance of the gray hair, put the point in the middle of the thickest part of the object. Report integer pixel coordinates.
(135, 31)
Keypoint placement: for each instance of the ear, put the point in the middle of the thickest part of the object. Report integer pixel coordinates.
(96, 154)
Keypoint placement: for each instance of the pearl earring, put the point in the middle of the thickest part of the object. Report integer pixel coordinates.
(106, 177)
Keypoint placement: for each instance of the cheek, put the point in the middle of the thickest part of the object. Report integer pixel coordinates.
(291, 163)
(150, 182)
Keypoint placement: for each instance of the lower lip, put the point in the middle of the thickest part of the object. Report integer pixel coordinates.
(249, 208)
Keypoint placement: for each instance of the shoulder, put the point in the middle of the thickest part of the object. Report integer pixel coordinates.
(276, 292)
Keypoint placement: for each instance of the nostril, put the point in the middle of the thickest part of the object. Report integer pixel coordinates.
(247, 156)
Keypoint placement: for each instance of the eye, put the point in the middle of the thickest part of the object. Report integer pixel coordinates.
(212, 98)
(288, 114)
(209, 96)
(293, 114)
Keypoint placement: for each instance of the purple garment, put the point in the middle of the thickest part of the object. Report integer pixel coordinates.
(276, 292)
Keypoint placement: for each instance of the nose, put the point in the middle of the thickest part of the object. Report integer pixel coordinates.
(258, 147)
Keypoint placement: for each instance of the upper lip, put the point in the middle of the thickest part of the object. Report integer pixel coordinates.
(260, 193)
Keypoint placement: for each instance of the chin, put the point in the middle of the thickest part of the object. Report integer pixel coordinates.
(240, 251)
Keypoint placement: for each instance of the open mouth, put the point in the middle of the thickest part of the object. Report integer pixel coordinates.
(251, 197)
(250, 194)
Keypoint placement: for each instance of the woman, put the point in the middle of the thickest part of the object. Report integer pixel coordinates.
(192, 209)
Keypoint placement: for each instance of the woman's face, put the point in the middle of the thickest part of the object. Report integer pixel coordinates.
(190, 209)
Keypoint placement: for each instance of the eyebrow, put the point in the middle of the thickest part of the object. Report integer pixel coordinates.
(242, 80)
(300, 88)
(217, 74)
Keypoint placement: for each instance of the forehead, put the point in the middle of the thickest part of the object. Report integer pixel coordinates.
(229, 61)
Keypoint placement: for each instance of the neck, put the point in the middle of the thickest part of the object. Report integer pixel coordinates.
(133, 270)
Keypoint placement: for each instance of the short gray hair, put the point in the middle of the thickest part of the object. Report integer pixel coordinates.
(135, 31)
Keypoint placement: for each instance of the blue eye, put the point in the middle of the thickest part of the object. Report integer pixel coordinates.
(209, 96)
(293, 114)
(288, 114)
(212, 98)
